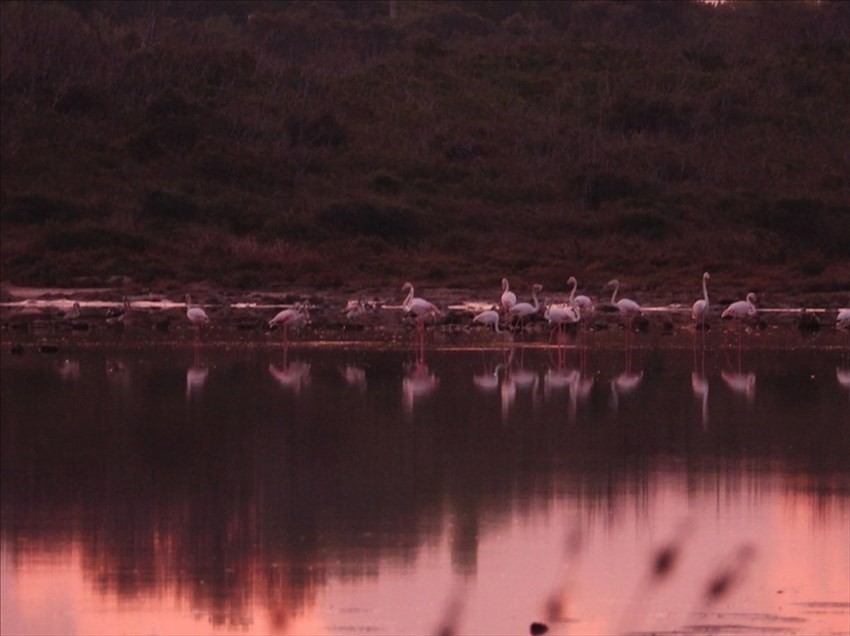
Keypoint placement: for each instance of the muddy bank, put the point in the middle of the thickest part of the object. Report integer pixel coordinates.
(34, 317)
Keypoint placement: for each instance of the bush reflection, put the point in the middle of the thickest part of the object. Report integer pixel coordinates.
(257, 493)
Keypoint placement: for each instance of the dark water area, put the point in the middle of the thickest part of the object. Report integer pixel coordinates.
(337, 490)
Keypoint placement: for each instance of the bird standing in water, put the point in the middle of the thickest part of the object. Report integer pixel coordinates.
(292, 318)
(508, 299)
(741, 311)
(700, 308)
(489, 317)
(196, 316)
(420, 309)
(522, 311)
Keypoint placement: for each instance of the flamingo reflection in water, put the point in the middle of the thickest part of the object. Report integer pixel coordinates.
(487, 381)
(843, 376)
(576, 380)
(563, 378)
(419, 381)
(196, 377)
(741, 383)
(293, 376)
(507, 389)
(69, 370)
(699, 385)
(625, 383)
(354, 376)
(699, 381)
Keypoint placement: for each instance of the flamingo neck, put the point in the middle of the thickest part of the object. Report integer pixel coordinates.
(705, 290)
(573, 292)
(614, 295)
(409, 298)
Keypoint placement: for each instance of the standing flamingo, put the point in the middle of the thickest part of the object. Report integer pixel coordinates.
(843, 320)
(559, 316)
(628, 308)
(420, 309)
(584, 303)
(489, 317)
(508, 297)
(525, 310)
(291, 318)
(700, 308)
(72, 313)
(196, 316)
(740, 311)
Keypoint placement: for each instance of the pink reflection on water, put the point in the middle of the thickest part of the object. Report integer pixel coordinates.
(794, 576)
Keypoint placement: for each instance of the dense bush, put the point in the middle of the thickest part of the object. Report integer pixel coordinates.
(453, 137)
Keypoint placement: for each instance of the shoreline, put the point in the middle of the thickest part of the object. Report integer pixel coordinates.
(31, 316)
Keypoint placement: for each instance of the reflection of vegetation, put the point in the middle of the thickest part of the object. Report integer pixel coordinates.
(258, 493)
(603, 127)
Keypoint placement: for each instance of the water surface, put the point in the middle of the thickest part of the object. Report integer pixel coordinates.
(336, 491)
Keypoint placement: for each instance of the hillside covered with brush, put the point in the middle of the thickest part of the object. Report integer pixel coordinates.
(264, 144)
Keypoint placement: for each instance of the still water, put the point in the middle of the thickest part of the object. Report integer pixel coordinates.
(343, 490)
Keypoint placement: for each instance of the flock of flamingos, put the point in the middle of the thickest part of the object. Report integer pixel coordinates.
(512, 314)
(508, 314)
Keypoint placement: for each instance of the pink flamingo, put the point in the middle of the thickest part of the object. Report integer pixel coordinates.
(196, 316)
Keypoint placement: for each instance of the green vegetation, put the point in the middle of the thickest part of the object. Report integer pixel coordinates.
(269, 143)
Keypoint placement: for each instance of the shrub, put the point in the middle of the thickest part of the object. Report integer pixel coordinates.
(62, 238)
(395, 225)
(35, 209)
(599, 187)
(649, 225)
(168, 205)
(385, 183)
(631, 114)
(322, 130)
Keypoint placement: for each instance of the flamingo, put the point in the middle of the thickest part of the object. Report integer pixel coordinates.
(508, 297)
(292, 318)
(843, 320)
(116, 314)
(742, 309)
(584, 303)
(559, 316)
(700, 308)
(489, 317)
(196, 316)
(419, 307)
(628, 308)
(355, 308)
(524, 310)
(73, 313)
